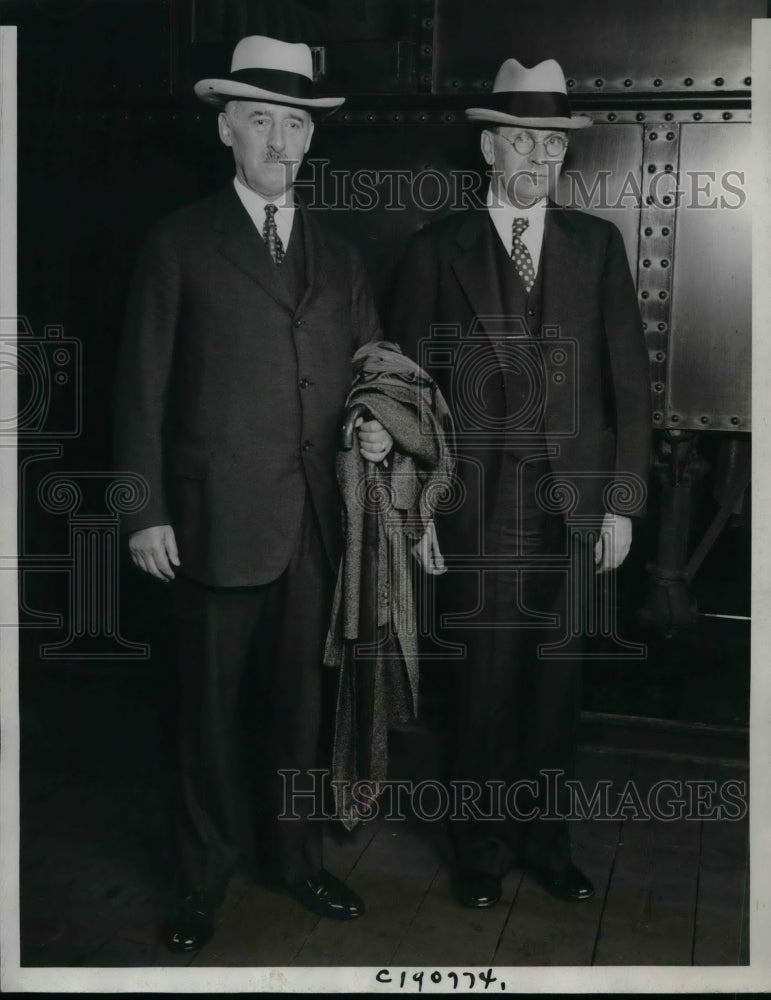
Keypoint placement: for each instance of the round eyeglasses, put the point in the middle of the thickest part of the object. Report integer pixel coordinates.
(554, 145)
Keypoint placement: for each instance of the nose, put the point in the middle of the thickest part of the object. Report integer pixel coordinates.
(276, 139)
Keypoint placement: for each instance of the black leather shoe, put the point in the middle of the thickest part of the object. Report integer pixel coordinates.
(478, 890)
(327, 896)
(569, 883)
(191, 926)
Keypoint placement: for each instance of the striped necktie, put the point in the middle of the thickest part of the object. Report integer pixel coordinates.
(520, 254)
(270, 235)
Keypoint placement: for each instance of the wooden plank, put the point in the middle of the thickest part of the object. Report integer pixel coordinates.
(723, 899)
(542, 930)
(392, 876)
(651, 902)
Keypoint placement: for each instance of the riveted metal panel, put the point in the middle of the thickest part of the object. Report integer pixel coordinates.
(603, 45)
(602, 175)
(708, 380)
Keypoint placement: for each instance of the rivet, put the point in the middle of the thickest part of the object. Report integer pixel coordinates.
(727, 116)
(397, 117)
(456, 83)
(665, 231)
(644, 295)
(426, 50)
(449, 117)
(662, 295)
(665, 263)
(748, 81)
(688, 81)
(659, 386)
(428, 22)
(675, 418)
(649, 199)
(662, 327)
(371, 118)
(653, 136)
(657, 82)
(486, 84)
(668, 117)
(423, 117)
(657, 417)
(652, 168)
(668, 168)
(719, 81)
(645, 327)
(697, 116)
(667, 199)
(735, 420)
(646, 263)
(648, 231)
(705, 420)
(571, 83)
(660, 355)
(598, 82)
(425, 78)
(612, 116)
(627, 83)
(640, 116)
(670, 136)
(347, 117)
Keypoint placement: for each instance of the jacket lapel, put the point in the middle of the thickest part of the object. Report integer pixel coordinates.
(475, 267)
(314, 275)
(243, 246)
(561, 261)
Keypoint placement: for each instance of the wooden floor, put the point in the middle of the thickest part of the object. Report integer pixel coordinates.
(95, 864)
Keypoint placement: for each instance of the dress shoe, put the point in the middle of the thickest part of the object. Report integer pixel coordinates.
(327, 896)
(191, 926)
(477, 889)
(568, 883)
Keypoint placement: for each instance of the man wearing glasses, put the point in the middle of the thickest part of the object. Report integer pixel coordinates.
(526, 315)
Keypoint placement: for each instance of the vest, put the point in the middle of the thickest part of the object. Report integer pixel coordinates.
(521, 362)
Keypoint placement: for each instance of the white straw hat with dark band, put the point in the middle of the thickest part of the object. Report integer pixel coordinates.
(267, 69)
(535, 98)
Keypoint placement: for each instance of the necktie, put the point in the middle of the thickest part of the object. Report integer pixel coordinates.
(270, 235)
(520, 254)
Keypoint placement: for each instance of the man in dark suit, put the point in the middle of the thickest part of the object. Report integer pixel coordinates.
(235, 364)
(525, 313)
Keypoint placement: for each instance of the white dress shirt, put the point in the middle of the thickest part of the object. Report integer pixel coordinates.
(503, 215)
(255, 206)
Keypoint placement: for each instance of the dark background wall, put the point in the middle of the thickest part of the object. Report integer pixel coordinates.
(110, 138)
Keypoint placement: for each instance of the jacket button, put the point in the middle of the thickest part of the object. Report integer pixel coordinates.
(307, 445)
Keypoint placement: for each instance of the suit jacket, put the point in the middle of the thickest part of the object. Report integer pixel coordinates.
(597, 419)
(229, 397)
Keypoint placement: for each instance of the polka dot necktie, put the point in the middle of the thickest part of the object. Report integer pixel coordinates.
(521, 255)
(270, 235)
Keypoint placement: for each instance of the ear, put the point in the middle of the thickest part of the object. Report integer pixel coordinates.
(223, 124)
(487, 145)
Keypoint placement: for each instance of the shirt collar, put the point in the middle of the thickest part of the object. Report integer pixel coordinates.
(256, 203)
(500, 205)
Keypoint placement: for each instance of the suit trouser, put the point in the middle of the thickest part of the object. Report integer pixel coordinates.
(517, 711)
(250, 675)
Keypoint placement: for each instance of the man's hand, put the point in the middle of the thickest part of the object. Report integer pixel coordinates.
(614, 543)
(428, 554)
(155, 550)
(374, 440)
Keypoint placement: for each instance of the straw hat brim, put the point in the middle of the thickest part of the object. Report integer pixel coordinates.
(219, 92)
(501, 118)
